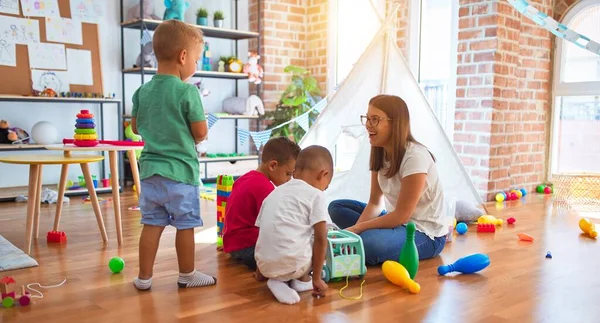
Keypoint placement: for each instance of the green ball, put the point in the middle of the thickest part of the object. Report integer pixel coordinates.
(540, 188)
(8, 302)
(116, 264)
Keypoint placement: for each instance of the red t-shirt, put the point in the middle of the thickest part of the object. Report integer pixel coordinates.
(243, 205)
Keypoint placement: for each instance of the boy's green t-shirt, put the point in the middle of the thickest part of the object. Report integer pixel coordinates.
(164, 108)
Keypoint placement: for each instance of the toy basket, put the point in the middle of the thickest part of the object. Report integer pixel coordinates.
(345, 256)
(578, 191)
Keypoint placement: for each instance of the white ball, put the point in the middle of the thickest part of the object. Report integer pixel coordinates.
(44, 133)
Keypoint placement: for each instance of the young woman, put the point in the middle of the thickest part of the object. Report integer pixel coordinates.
(404, 187)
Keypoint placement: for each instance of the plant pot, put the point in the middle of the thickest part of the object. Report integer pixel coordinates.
(202, 21)
(219, 23)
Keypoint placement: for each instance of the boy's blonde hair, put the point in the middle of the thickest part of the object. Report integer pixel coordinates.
(173, 36)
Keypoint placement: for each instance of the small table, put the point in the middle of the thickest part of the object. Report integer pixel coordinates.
(35, 163)
(114, 171)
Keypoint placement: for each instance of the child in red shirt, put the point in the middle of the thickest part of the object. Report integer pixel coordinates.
(243, 205)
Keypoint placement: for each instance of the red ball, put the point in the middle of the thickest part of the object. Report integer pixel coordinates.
(513, 196)
(511, 220)
(548, 190)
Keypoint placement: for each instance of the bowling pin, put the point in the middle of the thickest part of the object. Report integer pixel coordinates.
(409, 256)
(466, 265)
(398, 275)
(489, 219)
(588, 227)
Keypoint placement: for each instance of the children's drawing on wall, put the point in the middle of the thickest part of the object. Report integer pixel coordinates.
(54, 80)
(90, 11)
(9, 6)
(8, 53)
(64, 30)
(40, 8)
(19, 30)
(47, 56)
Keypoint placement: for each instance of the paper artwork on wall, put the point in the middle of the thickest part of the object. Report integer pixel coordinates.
(47, 56)
(64, 30)
(40, 8)
(9, 6)
(8, 53)
(19, 30)
(89, 11)
(79, 67)
(55, 80)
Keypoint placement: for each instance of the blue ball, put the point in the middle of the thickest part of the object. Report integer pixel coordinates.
(461, 228)
(524, 191)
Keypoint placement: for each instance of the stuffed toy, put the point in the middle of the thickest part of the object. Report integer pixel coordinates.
(146, 57)
(244, 106)
(254, 71)
(175, 9)
(7, 136)
(467, 212)
(134, 12)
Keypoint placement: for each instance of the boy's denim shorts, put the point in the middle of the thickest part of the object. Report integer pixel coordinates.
(165, 202)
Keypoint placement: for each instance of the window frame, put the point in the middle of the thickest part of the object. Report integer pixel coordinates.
(563, 89)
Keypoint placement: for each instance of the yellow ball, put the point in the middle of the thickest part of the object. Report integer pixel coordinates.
(134, 188)
(519, 193)
(499, 197)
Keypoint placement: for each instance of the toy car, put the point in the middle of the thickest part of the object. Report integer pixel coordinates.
(345, 256)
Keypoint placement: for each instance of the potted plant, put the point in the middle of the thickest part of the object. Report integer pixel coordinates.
(202, 17)
(218, 18)
(299, 97)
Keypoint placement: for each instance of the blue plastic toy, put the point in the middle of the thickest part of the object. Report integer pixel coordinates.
(175, 9)
(461, 228)
(466, 265)
(345, 256)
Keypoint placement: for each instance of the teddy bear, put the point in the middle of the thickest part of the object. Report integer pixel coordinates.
(253, 69)
(7, 136)
(175, 9)
(134, 12)
(146, 58)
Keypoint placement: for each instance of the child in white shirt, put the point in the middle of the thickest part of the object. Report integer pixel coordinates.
(285, 250)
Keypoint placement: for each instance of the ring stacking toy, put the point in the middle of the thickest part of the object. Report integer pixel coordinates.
(85, 130)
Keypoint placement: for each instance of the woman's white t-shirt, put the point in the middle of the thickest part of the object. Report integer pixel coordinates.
(429, 214)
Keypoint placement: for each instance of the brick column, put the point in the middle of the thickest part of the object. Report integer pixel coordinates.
(503, 95)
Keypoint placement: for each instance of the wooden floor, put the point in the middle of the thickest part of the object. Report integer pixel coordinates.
(520, 285)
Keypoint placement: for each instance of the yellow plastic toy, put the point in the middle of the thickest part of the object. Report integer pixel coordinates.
(398, 275)
(588, 227)
(489, 219)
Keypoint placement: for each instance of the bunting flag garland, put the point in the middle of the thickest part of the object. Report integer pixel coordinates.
(320, 105)
(146, 37)
(243, 135)
(260, 138)
(302, 121)
(554, 27)
(212, 119)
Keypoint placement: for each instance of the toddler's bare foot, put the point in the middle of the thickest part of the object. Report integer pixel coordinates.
(258, 276)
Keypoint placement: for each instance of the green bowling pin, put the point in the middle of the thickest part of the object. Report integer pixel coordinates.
(409, 256)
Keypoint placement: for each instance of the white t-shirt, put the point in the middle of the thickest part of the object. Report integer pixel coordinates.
(429, 214)
(286, 220)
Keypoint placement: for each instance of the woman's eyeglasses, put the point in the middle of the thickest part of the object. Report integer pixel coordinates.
(373, 121)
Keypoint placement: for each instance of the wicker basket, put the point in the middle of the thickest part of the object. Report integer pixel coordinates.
(578, 191)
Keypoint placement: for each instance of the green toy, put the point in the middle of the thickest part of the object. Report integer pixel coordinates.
(116, 264)
(345, 256)
(540, 188)
(409, 255)
(8, 302)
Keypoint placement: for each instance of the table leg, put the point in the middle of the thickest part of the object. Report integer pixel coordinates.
(85, 168)
(33, 171)
(62, 186)
(135, 172)
(38, 202)
(114, 171)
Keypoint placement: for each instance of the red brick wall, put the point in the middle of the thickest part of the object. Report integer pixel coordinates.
(402, 23)
(503, 95)
(316, 44)
(561, 6)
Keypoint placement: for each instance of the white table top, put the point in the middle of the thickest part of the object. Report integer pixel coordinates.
(100, 147)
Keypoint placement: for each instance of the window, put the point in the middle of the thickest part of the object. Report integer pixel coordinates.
(437, 46)
(576, 108)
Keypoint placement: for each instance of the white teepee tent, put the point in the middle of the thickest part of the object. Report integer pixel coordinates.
(382, 69)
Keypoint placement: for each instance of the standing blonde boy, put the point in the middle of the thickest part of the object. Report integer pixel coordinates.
(168, 114)
(293, 220)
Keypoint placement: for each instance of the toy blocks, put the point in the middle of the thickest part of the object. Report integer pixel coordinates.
(56, 236)
(224, 187)
(486, 227)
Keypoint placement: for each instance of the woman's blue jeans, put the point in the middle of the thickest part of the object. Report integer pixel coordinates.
(382, 244)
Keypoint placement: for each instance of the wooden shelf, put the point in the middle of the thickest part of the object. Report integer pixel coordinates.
(25, 98)
(207, 74)
(208, 31)
(219, 115)
(8, 194)
(20, 147)
(227, 159)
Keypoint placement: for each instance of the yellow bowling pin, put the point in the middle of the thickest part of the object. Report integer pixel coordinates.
(489, 219)
(398, 275)
(588, 227)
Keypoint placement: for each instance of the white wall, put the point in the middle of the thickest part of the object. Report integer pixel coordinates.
(62, 116)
